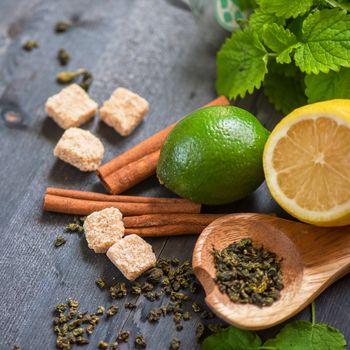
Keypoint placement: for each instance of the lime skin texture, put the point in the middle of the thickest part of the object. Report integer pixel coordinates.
(214, 155)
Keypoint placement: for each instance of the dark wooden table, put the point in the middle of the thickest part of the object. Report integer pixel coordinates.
(152, 47)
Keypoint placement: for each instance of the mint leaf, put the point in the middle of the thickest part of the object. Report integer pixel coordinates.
(245, 5)
(232, 339)
(323, 86)
(286, 8)
(284, 92)
(241, 64)
(288, 70)
(325, 42)
(303, 335)
(281, 41)
(259, 18)
(342, 4)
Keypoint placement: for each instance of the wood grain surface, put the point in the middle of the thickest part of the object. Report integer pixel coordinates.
(153, 48)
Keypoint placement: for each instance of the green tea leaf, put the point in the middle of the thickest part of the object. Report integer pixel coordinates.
(303, 335)
(328, 86)
(281, 41)
(232, 339)
(259, 18)
(241, 64)
(286, 9)
(284, 92)
(326, 42)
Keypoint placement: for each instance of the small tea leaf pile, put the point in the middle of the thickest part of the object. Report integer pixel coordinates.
(248, 273)
(298, 51)
(170, 282)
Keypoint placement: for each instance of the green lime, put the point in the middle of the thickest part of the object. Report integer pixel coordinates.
(214, 155)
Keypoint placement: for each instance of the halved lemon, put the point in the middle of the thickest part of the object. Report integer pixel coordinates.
(307, 163)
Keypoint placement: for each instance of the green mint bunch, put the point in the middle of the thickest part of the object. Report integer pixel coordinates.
(297, 51)
(298, 335)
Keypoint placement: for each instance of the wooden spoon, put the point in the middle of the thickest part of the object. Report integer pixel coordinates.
(313, 258)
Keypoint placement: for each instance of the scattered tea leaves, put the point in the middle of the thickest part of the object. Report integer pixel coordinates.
(67, 77)
(101, 283)
(130, 306)
(123, 336)
(155, 275)
(29, 45)
(62, 26)
(179, 327)
(69, 325)
(140, 342)
(102, 345)
(86, 81)
(206, 315)
(175, 344)
(76, 225)
(100, 310)
(196, 307)
(136, 289)
(63, 57)
(200, 332)
(112, 310)
(146, 287)
(186, 316)
(113, 346)
(216, 327)
(59, 241)
(170, 278)
(154, 315)
(118, 291)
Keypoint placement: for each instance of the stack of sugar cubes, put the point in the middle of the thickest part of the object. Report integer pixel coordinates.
(124, 111)
(72, 107)
(104, 231)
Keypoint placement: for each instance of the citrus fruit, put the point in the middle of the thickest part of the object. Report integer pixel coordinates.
(214, 155)
(307, 163)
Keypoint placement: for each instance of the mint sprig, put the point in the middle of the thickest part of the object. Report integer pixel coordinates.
(298, 335)
(313, 36)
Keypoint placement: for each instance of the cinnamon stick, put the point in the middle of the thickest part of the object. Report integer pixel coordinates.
(131, 174)
(167, 230)
(157, 220)
(100, 197)
(140, 162)
(76, 206)
(150, 145)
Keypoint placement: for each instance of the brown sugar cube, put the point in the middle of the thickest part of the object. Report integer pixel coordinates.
(132, 255)
(71, 107)
(80, 148)
(124, 111)
(103, 229)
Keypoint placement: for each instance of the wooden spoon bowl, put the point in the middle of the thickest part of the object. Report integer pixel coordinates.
(313, 258)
